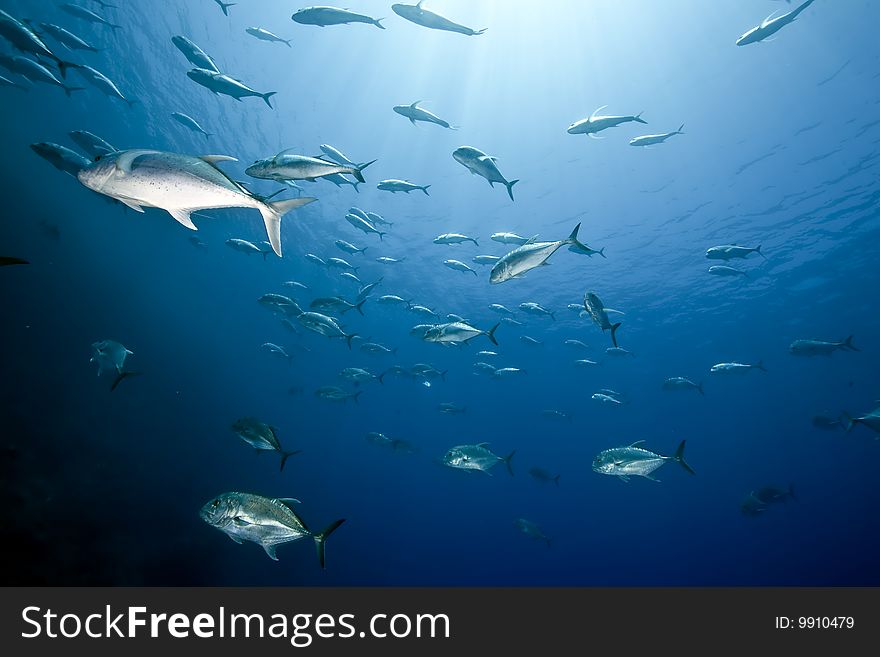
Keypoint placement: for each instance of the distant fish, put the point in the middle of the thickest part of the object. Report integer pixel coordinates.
(530, 340)
(324, 325)
(196, 56)
(605, 398)
(340, 181)
(266, 35)
(577, 344)
(333, 393)
(67, 38)
(395, 444)
(458, 265)
(88, 15)
(376, 348)
(531, 530)
(480, 164)
(261, 437)
(348, 247)
(385, 260)
(596, 123)
(508, 372)
(757, 501)
(359, 375)
(511, 238)
(190, 123)
(681, 383)
(363, 225)
(585, 363)
(426, 18)
(724, 270)
(635, 461)
(295, 284)
(63, 159)
(540, 474)
(483, 368)
(730, 251)
(476, 458)
(485, 259)
(339, 157)
(378, 219)
(91, 143)
(527, 257)
(336, 305)
(276, 350)
(533, 308)
(450, 408)
(180, 185)
(650, 140)
(243, 246)
(820, 347)
(220, 83)
(599, 314)
(415, 113)
(770, 26)
(501, 310)
(394, 186)
(325, 16)
(102, 83)
(109, 355)
(287, 165)
(618, 351)
(23, 37)
(735, 368)
(870, 420)
(34, 71)
(454, 238)
(457, 332)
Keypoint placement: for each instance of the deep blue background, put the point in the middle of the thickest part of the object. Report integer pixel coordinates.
(105, 488)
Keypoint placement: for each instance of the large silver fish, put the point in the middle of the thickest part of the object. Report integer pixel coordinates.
(325, 326)
(180, 185)
(770, 26)
(635, 461)
(267, 521)
(60, 157)
(196, 56)
(476, 458)
(324, 16)
(528, 257)
(820, 347)
(596, 123)
(220, 83)
(480, 164)
(426, 18)
(261, 437)
(597, 312)
(415, 113)
(457, 332)
(287, 165)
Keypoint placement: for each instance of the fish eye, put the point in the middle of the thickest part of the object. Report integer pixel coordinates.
(215, 504)
(98, 158)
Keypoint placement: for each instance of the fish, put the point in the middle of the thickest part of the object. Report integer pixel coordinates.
(458, 265)
(6, 261)
(36, 72)
(585, 363)
(287, 165)
(268, 522)
(91, 143)
(394, 186)
(395, 444)
(480, 164)
(618, 351)
(385, 260)
(109, 355)
(828, 423)
(511, 238)
(427, 371)
(332, 393)
(484, 368)
(820, 347)
(376, 348)
(273, 348)
(261, 436)
(357, 375)
(650, 140)
(63, 159)
(681, 383)
(501, 310)
(220, 83)
(311, 257)
(421, 310)
(540, 474)
(583, 249)
(348, 247)
(195, 55)
(365, 290)
(279, 303)
(190, 123)
(6, 82)
(736, 368)
(339, 180)
(635, 461)
(392, 299)
(378, 219)
(450, 408)
(870, 420)
(485, 259)
(66, 38)
(724, 270)
(730, 251)
(577, 344)
(295, 284)
(774, 495)
(527, 257)
(23, 37)
(511, 320)
(599, 314)
(339, 157)
(454, 238)
(363, 225)
(490, 354)
(324, 16)
(476, 458)
(508, 372)
(606, 399)
(770, 26)
(530, 340)
(533, 308)
(351, 277)
(427, 18)
(336, 304)
(325, 326)
(266, 35)
(339, 263)
(531, 530)
(102, 82)
(415, 113)
(180, 185)
(224, 6)
(458, 332)
(244, 246)
(90, 16)
(596, 123)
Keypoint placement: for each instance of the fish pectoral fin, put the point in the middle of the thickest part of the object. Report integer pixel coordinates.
(651, 477)
(235, 538)
(238, 521)
(182, 217)
(134, 206)
(623, 478)
(638, 442)
(125, 162)
(214, 159)
(270, 550)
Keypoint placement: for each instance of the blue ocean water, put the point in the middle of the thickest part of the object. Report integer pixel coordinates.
(780, 149)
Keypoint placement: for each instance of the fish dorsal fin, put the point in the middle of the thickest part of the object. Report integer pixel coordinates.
(214, 159)
(182, 216)
(125, 162)
(420, 3)
(769, 18)
(289, 500)
(532, 240)
(637, 443)
(415, 105)
(483, 445)
(598, 109)
(490, 158)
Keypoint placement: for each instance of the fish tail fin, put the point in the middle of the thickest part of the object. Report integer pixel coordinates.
(322, 537)
(759, 252)
(507, 460)
(356, 395)
(272, 213)
(285, 455)
(360, 306)
(425, 189)
(69, 90)
(791, 492)
(64, 65)
(849, 344)
(349, 338)
(573, 239)
(478, 32)
(119, 378)
(509, 186)
(601, 252)
(381, 377)
(378, 23)
(556, 479)
(760, 366)
(638, 117)
(115, 26)
(700, 388)
(381, 235)
(357, 171)
(847, 421)
(680, 129)
(679, 457)
(614, 328)
(491, 333)
(443, 374)
(267, 96)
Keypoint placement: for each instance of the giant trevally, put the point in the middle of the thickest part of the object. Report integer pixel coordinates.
(325, 326)
(635, 461)
(23, 38)
(363, 225)
(458, 265)
(338, 156)
(729, 251)
(599, 314)
(87, 14)
(66, 38)
(224, 6)
(36, 72)
(324, 16)
(261, 436)
(102, 82)
(180, 185)
(534, 308)
(393, 185)
(682, 383)
(454, 238)
(770, 26)
(477, 458)
(528, 257)
(60, 157)
(336, 305)
(512, 238)
(596, 123)
(820, 347)
(266, 521)
(91, 143)
(336, 394)
(266, 35)
(220, 83)
(456, 332)
(427, 18)
(531, 530)
(415, 113)
(870, 420)
(348, 247)
(109, 355)
(650, 140)
(278, 303)
(190, 123)
(736, 368)
(287, 165)
(480, 164)
(196, 56)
